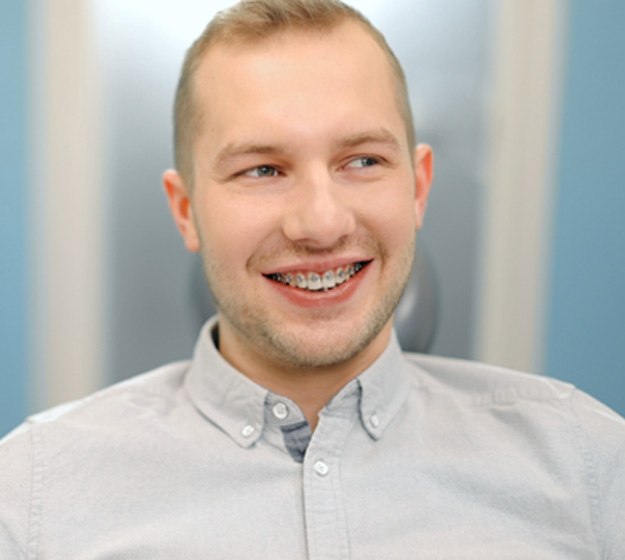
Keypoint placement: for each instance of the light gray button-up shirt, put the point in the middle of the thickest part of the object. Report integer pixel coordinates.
(418, 458)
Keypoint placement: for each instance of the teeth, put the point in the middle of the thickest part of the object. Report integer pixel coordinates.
(315, 282)
(341, 276)
(328, 280)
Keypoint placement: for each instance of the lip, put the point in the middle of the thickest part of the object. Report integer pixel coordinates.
(316, 265)
(320, 298)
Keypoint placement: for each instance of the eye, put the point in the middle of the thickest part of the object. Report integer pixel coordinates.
(261, 171)
(362, 162)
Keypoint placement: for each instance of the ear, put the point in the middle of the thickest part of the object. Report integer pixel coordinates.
(424, 173)
(181, 209)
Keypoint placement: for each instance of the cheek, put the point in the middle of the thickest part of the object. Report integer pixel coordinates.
(232, 229)
(393, 217)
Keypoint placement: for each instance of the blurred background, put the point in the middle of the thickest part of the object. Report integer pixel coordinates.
(522, 101)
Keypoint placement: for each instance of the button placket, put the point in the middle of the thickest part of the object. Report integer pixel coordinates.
(326, 527)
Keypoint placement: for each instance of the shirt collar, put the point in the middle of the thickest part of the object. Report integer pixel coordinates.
(236, 404)
(384, 388)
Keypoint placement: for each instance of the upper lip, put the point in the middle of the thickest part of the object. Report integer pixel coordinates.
(315, 265)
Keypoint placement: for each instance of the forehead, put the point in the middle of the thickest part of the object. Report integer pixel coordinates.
(350, 34)
(307, 78)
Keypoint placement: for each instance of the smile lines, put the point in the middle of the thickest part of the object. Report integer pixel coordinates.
(315, 282)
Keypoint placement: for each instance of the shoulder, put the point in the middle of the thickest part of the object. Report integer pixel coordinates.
(147, 394)
(153, 390)
(54, 445)
(482, 386)
(482, 383)
(529, 414)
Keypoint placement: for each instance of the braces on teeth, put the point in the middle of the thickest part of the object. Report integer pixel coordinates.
(316, 282)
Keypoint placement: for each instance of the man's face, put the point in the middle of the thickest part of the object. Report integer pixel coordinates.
(306, 198)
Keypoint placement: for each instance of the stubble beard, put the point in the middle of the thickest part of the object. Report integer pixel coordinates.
(306, 348)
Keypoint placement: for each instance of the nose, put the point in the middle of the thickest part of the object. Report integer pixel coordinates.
(318, 212)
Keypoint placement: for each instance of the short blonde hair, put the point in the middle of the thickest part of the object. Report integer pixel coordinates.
(252, 21)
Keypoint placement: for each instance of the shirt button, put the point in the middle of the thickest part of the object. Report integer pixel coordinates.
(321, 468)
(374, 420)
(248, 430)
(280, 410)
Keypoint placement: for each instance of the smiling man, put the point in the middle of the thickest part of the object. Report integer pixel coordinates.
(303, 193)
(300, 429)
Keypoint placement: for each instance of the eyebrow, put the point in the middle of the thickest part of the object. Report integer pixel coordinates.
(377, 136)
(238, 149)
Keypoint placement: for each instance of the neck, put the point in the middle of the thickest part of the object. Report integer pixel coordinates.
(309, 388)
(310, 391)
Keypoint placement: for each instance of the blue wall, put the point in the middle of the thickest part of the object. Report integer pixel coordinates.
(13, 202)
(586, 317)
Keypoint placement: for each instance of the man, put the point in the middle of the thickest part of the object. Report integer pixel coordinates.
(299, 430)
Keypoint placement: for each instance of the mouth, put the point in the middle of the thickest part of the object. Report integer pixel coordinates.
(317, 281)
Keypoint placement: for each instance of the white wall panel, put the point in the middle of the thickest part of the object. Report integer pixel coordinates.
(521, 166)
(67, 214)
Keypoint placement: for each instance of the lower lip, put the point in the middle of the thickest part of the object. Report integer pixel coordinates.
(321, 298)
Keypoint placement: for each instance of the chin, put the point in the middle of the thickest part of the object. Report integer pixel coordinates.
(307, 347)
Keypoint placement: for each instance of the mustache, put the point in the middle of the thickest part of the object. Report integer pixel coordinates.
(303, 249)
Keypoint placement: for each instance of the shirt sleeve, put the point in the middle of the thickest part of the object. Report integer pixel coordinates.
(603, 432)
(15, 493)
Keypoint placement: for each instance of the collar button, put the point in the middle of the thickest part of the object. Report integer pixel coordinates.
(248, 431)
(280, 410)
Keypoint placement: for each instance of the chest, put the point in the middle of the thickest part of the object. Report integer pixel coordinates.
(352, 497)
